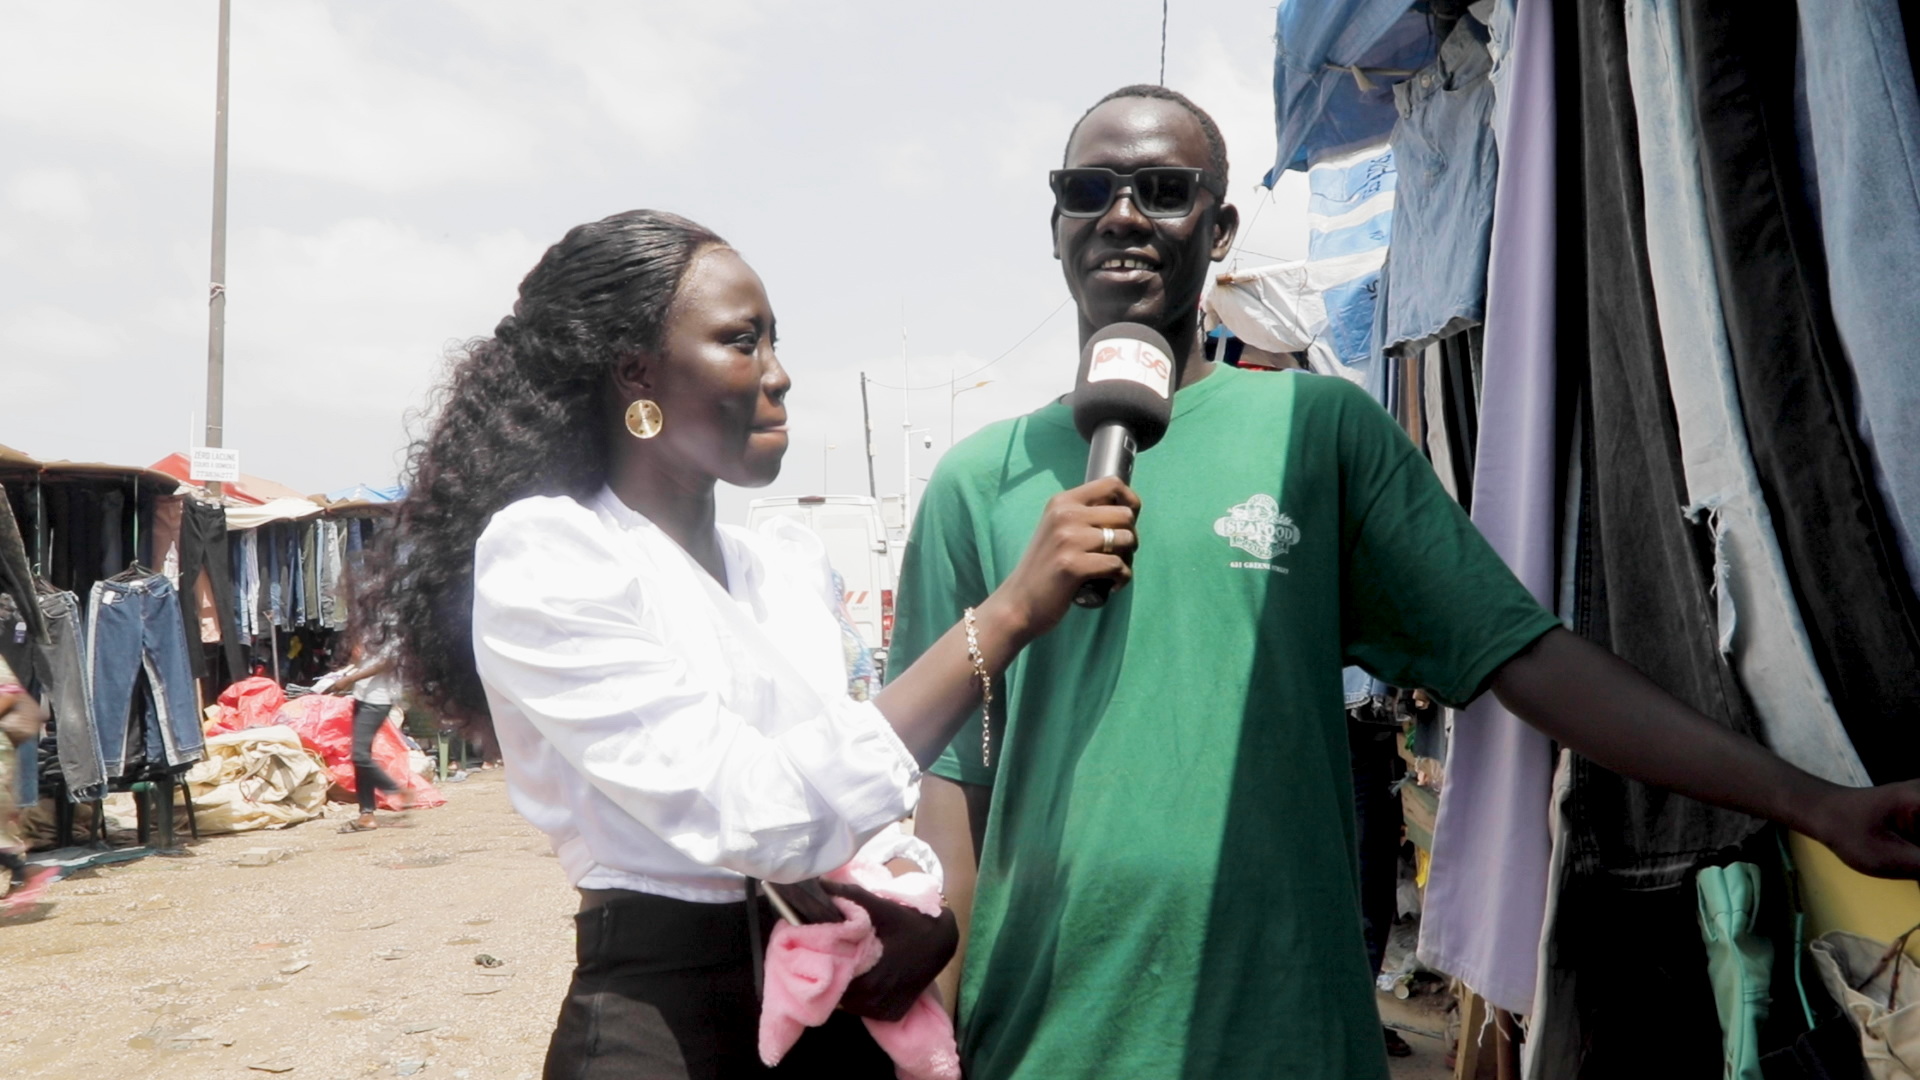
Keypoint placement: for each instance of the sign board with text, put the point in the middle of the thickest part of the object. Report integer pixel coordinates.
(211, 463)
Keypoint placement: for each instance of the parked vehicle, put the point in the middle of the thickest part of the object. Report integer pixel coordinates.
(855, 536)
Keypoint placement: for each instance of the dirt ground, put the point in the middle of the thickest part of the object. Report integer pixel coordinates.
(352, 956)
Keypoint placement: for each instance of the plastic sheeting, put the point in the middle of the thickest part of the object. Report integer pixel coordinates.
(1334, 65)
(324, 724)
(258, 778)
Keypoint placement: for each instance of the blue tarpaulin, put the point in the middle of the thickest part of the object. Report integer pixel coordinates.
(1320, 105)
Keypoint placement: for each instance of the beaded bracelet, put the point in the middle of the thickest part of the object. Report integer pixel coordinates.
(986, 689)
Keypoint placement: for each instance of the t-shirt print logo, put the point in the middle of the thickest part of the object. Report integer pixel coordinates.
(1258, 528)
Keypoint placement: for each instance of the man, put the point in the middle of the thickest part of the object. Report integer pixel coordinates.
(1166, 874)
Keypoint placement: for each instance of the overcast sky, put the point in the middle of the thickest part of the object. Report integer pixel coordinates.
(398, 167)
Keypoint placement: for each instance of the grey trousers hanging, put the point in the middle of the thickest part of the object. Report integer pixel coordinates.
(1795, 387)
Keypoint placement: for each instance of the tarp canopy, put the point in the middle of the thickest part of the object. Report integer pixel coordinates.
(1335, 64)
(16, 465)
(363, 493)
(250, 490)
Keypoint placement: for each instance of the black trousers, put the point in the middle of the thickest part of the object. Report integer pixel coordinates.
(368, 776)
(664, 990)
(1376, 813)
(203, 546)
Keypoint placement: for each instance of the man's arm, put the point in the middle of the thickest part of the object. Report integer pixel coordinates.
(952, 819)
(1592, 701)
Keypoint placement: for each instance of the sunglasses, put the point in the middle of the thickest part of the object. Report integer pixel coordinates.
(1158, 191)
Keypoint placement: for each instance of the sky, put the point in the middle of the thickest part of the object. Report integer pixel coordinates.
(397, 168)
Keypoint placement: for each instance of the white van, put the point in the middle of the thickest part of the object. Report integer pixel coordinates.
(857, 547)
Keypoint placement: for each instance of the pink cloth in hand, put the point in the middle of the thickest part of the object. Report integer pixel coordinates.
(808, 969)
(918, 891)
(921, 1042)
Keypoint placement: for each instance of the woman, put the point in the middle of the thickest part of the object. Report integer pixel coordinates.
(372, 683)
(670, 696)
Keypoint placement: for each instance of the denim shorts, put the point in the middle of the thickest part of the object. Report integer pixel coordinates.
(1444, 150)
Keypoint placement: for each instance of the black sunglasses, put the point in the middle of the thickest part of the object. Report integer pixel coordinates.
(1158, 191)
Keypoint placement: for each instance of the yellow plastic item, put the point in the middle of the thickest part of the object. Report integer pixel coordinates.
(1837, 898)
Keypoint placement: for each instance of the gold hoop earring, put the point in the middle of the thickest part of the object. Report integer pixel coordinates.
(644, 420)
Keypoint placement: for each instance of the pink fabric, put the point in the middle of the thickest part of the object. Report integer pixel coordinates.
(918, 891)
(808, 969)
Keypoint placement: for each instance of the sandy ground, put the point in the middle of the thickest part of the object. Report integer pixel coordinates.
(352, 956)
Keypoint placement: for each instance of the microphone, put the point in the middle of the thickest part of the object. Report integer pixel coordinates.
(1122, 404)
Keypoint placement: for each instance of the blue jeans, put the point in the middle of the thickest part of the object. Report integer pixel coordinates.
(136, 626)
(1444, 150)
(1760, 628)
(64, 674)
(1863, 146)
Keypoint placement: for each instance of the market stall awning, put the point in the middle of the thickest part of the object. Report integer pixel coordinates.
(250, 490)
(17, 466)
(1335, 63)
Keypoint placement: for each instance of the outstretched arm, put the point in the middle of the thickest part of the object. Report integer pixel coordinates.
(1592, 701)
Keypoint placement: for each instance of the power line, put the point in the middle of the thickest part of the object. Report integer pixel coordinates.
(988, 364)
(1163, 42)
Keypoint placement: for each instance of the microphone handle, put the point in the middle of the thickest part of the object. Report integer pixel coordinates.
(1111, 454)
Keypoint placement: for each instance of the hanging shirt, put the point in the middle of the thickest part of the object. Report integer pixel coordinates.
(670, 734)
(1167, 886)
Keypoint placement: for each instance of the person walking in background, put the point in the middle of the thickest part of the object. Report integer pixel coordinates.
(374, 684)
(20, 720)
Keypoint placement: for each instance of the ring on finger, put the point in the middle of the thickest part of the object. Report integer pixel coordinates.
(1106, 541)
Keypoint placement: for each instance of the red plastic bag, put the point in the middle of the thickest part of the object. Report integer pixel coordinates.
(325, 726)
(249, 703)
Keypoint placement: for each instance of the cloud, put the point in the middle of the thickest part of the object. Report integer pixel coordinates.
(42, 333)
(54, 194)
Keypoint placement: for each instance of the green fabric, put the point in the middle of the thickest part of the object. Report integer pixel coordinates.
(1168, 886)
(1739, 961)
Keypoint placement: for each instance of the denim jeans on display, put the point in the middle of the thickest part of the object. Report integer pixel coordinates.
(1796, 390)
(1759, 621)
(1642, 589)
(63, 676)
(136, 627)
(1444, 150)
(1863, 127)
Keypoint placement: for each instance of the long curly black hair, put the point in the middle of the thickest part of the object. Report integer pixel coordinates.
(519, 414)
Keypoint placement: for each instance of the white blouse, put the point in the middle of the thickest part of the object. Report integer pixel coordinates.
(667, 734)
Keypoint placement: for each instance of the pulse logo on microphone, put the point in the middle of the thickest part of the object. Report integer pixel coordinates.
(1122, 404)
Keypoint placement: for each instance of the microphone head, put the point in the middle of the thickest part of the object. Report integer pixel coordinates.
(1126, 376)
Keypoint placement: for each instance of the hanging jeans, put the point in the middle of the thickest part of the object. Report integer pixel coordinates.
(1444, 150)
(1795, 388)
(1759, 622)
(1863, 127)
(203, 546)
(136, 627)
(63, 675)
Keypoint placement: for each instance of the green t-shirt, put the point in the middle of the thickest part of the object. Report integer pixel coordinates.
(1169, 886)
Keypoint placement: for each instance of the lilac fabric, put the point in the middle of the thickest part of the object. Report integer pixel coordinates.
(1486, 897)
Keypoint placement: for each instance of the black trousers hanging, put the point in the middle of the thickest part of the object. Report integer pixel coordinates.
(203, 546)
(1626, 971)
(1795, 387)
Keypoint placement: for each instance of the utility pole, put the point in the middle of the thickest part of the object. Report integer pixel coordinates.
(866, 419)
(217, 289)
